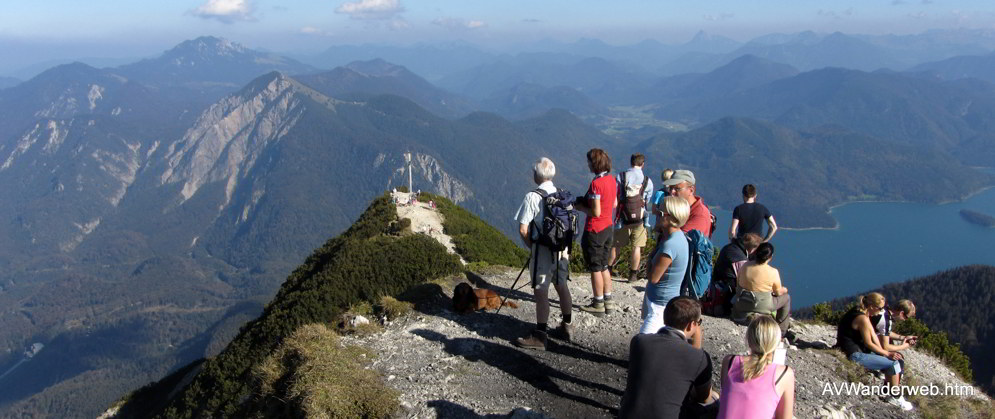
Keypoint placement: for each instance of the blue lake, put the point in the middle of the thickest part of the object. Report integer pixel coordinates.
(876, 243)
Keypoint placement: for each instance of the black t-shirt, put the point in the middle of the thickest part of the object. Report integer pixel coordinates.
(751, 218)
(847, 338)
(730, 254)
(663, 368)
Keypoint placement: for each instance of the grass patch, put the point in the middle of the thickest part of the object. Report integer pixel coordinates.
(390, 308)
(312, 374)
(948, 406)
(848, 370)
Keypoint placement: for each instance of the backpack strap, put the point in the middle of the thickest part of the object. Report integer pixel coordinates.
(779, 377)
(642, 189)
(686, 285)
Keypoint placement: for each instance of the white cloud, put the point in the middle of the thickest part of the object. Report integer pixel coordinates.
(458, 24)
(227, 11)
(371, 9)
(720, 16)
(836, 15)
(311, 30)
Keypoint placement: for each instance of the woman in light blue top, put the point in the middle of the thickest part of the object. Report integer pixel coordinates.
(668, 263)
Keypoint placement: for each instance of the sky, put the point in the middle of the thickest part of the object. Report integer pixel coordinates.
(36, 31)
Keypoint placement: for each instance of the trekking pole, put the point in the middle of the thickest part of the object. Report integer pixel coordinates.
(515, 283)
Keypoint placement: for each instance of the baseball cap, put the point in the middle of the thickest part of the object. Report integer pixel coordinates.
(680, 176)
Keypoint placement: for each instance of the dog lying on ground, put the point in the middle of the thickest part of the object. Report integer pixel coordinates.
(467, 299)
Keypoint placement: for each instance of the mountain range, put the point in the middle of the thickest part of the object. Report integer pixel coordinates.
(152, 208)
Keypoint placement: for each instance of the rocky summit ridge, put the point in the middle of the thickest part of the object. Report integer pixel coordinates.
(449, 365)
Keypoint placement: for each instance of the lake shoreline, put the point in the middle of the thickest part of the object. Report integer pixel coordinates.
(829, 212)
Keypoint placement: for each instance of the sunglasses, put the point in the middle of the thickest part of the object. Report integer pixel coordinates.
(698, 322)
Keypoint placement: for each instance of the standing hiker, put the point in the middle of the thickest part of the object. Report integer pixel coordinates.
(598, 204)
(546, 265)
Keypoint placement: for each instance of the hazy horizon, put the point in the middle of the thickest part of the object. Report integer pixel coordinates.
(109, 33)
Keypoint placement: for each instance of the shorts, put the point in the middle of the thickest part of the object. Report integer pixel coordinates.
(597, 249)
(547, 266)
(652, 316)
(636, 233)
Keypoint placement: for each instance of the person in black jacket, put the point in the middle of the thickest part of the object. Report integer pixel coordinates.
(731, 258)
(670, 376)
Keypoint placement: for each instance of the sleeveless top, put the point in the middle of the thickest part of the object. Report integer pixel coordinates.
(756, 398)
(847, 338)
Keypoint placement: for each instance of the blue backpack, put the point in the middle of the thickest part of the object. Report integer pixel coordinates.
(699, 271)
(559, 220)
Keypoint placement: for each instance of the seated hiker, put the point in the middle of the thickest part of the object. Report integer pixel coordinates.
(752, 385)
(903, 310)
(668, 264)
(730, 261)
(546, 266)
(855, 336)
(670, 376)
(760, 290)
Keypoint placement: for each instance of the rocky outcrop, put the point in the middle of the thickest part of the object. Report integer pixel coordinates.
(229, 137)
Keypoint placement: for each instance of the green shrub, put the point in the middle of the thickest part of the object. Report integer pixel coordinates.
(363, 308)
(938, 345)
(622, 259)
(474, 239)
(312, 375)
(360, 265)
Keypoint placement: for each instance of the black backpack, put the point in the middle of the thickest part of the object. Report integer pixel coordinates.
(559, 220)
(632, 208)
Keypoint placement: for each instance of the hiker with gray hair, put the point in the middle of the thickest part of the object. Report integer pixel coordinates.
(682, 184)
(546, 266)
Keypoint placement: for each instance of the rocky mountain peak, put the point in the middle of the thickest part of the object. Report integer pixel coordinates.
(206, 46)
(229, 137)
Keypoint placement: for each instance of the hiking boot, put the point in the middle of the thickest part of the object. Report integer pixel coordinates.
(609, 306)
(791, 337)
(564, 331)
(597, 307)
(535, 340)
(633, 276)
(901, 403)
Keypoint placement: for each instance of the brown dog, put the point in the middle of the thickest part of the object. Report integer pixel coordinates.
(467, 299)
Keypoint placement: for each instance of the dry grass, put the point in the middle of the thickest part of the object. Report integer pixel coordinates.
(850, 371)
(312, 374)
(391, 308)
(944, 406)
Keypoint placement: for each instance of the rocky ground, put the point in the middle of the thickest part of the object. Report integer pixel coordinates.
(450, 365)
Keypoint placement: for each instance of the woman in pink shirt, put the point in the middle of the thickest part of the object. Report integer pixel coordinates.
(752, 385)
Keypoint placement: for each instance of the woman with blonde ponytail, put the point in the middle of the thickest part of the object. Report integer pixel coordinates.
(752, 385)
(855, 336)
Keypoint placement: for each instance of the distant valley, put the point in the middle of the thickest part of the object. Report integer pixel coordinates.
(155, 207)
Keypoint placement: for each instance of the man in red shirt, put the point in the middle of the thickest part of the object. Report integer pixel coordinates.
(682, 184)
